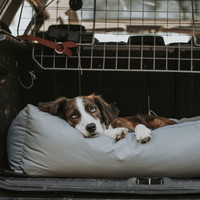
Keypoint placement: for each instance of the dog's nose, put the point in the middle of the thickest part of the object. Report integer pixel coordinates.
(91, 127)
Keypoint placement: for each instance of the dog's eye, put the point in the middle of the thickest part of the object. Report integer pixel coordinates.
(74, 116)
(92, 109)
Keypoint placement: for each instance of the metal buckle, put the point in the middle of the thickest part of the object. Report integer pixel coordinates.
(59, 44)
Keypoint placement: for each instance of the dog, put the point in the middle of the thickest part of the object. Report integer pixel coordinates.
(92, 116)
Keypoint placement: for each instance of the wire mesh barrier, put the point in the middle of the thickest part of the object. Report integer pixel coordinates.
(118, 35)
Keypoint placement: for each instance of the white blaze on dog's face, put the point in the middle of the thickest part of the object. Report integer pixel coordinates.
(89, 123)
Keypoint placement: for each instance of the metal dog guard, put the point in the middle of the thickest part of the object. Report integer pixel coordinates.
(141, 27)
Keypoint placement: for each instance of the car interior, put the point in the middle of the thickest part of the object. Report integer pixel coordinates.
(141, 55)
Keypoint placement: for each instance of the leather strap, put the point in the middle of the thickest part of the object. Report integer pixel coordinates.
(59, 47)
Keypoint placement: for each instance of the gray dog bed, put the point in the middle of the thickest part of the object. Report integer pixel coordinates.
(40, 144)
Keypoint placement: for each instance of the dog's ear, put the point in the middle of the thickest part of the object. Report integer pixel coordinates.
(108, 111)
(56, 107)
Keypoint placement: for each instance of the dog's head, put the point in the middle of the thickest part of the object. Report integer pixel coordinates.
(89, 114)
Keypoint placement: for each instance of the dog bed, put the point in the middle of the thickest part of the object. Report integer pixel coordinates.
(40, 144)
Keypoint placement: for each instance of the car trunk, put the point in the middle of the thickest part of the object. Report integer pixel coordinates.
(164, 79)
(132, 92)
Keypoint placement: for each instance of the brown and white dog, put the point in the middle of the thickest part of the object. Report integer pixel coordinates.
(91, 115)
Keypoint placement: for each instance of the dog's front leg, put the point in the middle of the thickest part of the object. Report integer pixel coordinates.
(142, 133)
(116, 133)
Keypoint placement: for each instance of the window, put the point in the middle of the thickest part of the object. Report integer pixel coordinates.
(156, 17)
(19, 25)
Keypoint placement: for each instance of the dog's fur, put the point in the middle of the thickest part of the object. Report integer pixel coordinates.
(91, 115)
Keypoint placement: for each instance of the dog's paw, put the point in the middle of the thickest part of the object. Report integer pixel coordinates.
(116, 133)
(120, 133)
(142, 133)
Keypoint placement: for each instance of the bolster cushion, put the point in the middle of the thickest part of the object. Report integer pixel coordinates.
(40, 144)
